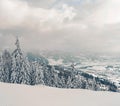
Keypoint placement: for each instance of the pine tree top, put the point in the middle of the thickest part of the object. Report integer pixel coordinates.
(17, 43)
(17, 51)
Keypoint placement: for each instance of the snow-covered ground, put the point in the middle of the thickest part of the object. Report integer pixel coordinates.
(110, 71)
(22, 95)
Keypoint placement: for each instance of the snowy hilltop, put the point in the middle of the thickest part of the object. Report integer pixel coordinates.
(17, 68)
(22, 95)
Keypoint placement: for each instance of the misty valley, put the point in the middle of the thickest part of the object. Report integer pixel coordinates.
(59, 70)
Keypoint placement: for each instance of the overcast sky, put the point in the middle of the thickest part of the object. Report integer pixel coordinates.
(68, 25)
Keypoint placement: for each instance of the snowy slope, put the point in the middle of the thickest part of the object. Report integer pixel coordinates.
(22, 95)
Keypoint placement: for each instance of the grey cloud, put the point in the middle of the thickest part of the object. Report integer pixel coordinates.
(69, 25)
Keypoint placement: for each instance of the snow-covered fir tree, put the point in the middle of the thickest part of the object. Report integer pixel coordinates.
(32, 73)
(38, 73)
(1, 69)
(63, 82)
(5, 66)
(69, 82)
(20, 68)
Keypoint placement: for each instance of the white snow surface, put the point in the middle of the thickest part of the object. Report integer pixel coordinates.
(23, 95)
(55, 62)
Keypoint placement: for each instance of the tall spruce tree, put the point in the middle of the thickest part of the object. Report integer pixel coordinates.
(20, 68)
(39, 73)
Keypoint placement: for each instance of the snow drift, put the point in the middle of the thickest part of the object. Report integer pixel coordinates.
(23, 95)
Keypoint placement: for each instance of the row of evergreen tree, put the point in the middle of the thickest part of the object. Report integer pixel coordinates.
(16, 68)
